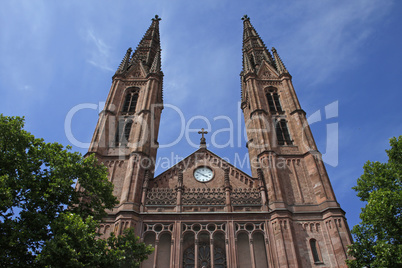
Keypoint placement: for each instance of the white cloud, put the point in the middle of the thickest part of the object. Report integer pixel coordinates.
(329, 35)
(26, 67)
(99, 54)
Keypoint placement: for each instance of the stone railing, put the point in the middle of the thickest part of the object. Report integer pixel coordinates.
(161, 197)
(220, 198)
(245, 197)
(204, 197)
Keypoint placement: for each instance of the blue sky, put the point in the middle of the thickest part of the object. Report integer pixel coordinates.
(55, 55)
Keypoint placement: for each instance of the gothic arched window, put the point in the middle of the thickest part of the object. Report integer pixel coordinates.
(315, 251)
(273, 101)
(123, 131)
(208, 250)
(243, 250)
(282, 132)
(130, 102)
(127, 129)
(149, 239)
(260, 250)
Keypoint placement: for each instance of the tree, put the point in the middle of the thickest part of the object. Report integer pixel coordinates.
(39, 206)
(378, 238)
(75, 245)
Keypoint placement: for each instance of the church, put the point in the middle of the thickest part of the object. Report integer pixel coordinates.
(204, 212)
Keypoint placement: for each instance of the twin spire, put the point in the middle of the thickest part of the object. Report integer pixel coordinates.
(255, 52)
(148, 52)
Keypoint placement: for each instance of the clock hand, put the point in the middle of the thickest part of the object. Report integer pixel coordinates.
(197, 172)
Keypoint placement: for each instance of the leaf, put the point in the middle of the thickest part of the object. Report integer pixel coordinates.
(45, 221)
(378, 238)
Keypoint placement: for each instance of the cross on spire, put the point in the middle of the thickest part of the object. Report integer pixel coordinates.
(157, 18)
(245, 17)
(203, 143)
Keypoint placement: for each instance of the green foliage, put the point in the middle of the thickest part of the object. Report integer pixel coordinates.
(124, 251)
(378, 238)
(40, 211)
(74, 245)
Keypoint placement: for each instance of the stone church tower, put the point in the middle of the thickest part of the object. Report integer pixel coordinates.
(203, 211)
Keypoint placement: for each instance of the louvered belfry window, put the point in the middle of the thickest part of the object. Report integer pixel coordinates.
(282, 132)
(273, 102)
(123, 132)
(125, 120)
(130, 102)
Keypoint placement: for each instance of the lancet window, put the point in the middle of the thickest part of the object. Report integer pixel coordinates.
(130, 102)
(208, 245)
(158, 235)
(123, 131)
(315, 251)
(282, 132)
(274, 104)
(251, 245)
(125, 120)
(204, 245)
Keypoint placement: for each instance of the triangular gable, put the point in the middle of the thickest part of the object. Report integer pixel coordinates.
(137, 71)
(203, 157)
(266, 71)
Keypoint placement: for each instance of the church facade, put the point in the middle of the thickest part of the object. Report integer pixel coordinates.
(203, 211)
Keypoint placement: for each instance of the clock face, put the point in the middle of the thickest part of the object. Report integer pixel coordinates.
(203, 174)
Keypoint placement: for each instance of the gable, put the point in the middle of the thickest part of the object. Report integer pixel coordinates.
(266, 71)
(137, 71)
(203, 158)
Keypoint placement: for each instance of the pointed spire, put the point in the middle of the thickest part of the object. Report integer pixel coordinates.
(254, 49)
(247, 64)
(156, 65)
(124, 63)
(278, 62)
(148, 50)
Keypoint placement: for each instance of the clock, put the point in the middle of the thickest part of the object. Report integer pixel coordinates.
(203, 174)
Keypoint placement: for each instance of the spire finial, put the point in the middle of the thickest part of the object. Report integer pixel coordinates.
(147, 52)
(124, 63)
(156, 65)
(254, 49)
(157, 18)
(279, 63)
(203, 143)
